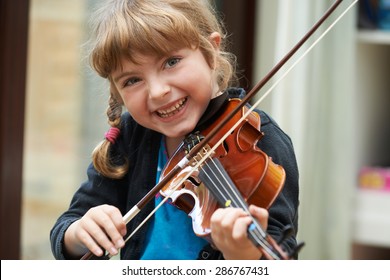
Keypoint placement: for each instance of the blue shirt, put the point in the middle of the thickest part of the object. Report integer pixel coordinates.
(170, 235)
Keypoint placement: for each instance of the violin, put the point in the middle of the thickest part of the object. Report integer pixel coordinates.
(258, 179)
(236, 174)
(219, 167)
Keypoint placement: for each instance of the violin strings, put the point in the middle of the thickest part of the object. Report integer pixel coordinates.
(257, 233)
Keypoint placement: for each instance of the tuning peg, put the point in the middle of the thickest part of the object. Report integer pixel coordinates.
(294, 252)
(286, 233)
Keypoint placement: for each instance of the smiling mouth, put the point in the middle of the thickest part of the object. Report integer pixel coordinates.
(172, 110)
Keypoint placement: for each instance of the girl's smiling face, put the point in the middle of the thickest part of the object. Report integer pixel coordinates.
(167, 94)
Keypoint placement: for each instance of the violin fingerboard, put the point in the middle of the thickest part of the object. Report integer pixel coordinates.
(219, 183)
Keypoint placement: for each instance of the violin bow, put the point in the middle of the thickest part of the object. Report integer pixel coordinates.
(193, 152)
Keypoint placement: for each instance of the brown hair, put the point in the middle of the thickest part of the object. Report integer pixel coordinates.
(125, 28)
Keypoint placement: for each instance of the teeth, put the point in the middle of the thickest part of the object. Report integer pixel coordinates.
(172, 110)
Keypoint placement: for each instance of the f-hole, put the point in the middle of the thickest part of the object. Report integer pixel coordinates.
(225, 145)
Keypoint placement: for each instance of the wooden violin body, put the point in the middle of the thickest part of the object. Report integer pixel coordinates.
(257, 177)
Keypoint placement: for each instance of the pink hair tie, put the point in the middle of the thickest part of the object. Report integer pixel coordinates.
(112, 134)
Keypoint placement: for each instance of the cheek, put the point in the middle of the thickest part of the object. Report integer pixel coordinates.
(137, 112)
(133, 108)
(133, 103)
(201, 82)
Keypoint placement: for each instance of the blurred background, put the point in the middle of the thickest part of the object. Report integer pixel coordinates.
(334, 106)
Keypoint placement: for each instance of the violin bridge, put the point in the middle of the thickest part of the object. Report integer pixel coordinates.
(205, 152)
(190, 142)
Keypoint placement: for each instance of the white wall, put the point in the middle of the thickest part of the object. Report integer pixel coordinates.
(315, 105)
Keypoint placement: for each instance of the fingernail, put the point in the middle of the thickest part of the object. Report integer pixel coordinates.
(113, 251)
(254, 208)
(97, 252)
(120, 243)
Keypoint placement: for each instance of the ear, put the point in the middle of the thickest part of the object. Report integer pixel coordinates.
(215, 39)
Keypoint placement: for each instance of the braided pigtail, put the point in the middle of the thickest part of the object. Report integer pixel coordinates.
(101, 156)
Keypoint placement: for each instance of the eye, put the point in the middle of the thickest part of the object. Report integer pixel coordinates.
(131, 81)
(171, 62)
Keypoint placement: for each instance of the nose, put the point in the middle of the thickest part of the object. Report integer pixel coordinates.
(158, 88)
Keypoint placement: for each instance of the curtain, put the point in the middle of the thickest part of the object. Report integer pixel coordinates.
(315, 106)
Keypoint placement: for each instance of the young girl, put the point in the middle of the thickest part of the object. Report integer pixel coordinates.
(165, 61)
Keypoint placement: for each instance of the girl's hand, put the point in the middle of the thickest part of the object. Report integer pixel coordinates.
(101, 227)
(229, 231)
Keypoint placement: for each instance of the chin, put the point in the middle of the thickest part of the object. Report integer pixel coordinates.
(182, 133)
